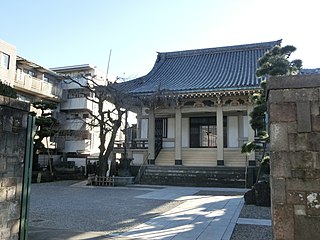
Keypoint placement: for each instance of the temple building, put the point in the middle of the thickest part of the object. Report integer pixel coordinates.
(196, 107)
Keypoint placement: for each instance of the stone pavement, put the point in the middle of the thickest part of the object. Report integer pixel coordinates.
(206, 213)
(199, 217)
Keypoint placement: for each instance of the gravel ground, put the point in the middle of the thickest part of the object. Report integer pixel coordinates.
(251, 232)
(256, 232)
(253, 211)
(59, 206)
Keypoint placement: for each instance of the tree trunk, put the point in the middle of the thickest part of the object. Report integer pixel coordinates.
(35, 161)
(103, 161)
(115, 129)
(103, 166)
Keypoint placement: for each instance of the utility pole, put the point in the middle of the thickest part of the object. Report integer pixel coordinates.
(108, 66)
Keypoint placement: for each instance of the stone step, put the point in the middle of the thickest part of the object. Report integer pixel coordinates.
(179, 167)
(195, 176)
(197, 171)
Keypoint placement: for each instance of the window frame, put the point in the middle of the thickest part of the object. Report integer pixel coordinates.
(198, 123)
(4, 60)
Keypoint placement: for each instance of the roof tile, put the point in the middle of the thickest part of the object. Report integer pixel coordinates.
(211, 69)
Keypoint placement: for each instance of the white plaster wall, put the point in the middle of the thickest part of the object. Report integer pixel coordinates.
(168, 144)
(137, 158)
(245, 126)
(233, 131)
(77, 146)
(185, 133)
(144, 128)
(78, 162)
(171, 127)
(95, 142)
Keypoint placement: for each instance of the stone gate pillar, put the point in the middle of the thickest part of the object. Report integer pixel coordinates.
(13, 125)
(294, 113)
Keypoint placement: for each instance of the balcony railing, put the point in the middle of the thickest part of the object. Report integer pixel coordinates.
(37, 86)
(77, 146)
(77, 104)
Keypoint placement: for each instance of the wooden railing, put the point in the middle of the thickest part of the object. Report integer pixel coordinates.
(100, 181)
(139, 144)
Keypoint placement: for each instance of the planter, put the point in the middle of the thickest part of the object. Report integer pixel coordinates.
(122, 181)
(262, 190)
(124, 167)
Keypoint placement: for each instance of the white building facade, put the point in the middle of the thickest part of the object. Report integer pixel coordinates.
(75, 140)
(8, 54)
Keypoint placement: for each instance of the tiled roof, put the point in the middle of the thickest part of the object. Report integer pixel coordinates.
(202, 70)
(306, 71)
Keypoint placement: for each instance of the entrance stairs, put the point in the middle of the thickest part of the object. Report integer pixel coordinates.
(194, 176)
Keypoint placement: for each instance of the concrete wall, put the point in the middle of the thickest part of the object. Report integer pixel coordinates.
(8, 75)
(293, 103)
(13, 119)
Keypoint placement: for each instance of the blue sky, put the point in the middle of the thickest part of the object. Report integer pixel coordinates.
(68, 32)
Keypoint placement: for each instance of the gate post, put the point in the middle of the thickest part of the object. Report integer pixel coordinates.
(27, 176)
(13, 135)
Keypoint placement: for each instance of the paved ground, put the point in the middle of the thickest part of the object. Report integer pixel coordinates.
(69, 210)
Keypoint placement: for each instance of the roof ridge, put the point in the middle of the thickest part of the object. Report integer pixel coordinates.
(220, 49)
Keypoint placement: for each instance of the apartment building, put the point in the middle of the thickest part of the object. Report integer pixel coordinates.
(8, 54)
(77, 139)
(34, 82)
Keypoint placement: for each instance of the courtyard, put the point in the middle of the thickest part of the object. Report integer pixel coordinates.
(72, 210)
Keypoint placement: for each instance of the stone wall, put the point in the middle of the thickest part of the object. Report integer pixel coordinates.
(13, 121)
(293, 103)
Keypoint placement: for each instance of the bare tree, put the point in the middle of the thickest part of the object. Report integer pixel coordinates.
(109, 116)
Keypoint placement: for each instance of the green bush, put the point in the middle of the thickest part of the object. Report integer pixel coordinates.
(7, 91)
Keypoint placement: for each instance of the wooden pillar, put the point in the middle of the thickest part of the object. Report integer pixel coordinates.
(251, 159)
(178, 137)
(240, 131)
(151, 138)
(139, 125)
(220, 160)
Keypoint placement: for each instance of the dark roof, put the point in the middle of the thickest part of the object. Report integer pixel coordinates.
(307, 71)
(202, 70)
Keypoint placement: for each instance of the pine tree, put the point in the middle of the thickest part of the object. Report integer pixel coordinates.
(46, 127)
(274, 63)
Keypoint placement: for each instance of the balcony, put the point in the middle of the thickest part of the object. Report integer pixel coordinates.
(75, 124)
(79, 146)
(77, 104)
(37, 87)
